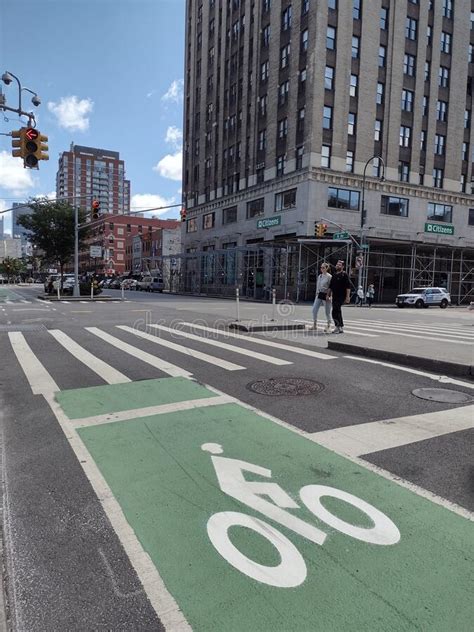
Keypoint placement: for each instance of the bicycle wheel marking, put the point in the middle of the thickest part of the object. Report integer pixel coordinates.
(162, 470)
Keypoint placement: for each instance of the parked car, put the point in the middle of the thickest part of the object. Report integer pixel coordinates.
(150, 284)
(115, 284)
(129, 284)
(424, 297)
(156, 284)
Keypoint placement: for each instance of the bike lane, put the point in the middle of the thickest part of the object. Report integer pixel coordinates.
(254, 557)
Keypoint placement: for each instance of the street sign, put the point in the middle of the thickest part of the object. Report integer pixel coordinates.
(365, 246)
(269, 222)
(341, 235)
(439, 229)
(95, 251)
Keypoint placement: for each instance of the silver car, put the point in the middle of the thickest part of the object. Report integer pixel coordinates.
(424, 297)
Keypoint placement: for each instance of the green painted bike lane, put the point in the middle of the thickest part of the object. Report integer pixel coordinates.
(292, 543)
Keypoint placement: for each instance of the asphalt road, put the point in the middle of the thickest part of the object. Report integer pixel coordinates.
(67, 566)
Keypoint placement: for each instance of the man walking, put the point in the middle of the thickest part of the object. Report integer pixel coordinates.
(340, 291)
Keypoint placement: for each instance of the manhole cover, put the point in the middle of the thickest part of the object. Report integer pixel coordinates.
(442, 395)
(290, 386)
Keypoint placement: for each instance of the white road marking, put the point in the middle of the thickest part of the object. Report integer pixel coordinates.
(392, 328)
(149, 411)
(391, 332)
(65, 302)
(374, 436)
(223, 345)
(461, 329)
(224, 364)
(83, 302)
(40, 380)
(432, 376)
(310, 322)
(166, 367)
(260, 341)
(103, 370)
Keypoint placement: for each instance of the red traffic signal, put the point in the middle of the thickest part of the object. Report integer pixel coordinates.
(95, 209)
(183, 214)
(31, 133)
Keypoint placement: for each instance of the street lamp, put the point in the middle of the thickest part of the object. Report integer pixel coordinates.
(362, 211)
(7, 78)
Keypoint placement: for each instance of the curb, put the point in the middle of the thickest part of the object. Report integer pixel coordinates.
(439, 366)
(267, 327)
(75, 299)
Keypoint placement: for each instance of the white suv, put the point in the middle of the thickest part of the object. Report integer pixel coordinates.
(424, 297)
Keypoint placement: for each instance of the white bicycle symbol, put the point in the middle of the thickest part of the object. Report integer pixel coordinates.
(291, 571)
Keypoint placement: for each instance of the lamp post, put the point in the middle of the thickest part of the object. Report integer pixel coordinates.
(363, 211)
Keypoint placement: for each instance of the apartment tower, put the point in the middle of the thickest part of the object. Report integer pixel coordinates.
(295, 110)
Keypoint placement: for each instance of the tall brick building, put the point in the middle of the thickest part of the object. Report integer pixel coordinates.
(287, 102)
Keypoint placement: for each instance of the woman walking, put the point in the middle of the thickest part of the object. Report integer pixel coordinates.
(322, 286)
(370, 294)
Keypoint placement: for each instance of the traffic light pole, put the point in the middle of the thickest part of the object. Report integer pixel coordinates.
(77, 291)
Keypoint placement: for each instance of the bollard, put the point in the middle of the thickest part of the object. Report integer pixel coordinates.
(237, 301)
(123, 293)
(274, 294)
(59, 289)
(92, 291)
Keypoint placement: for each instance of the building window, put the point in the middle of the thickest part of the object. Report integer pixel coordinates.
(299, 157)
(282, 128)
(441, 111)
(438, 176)
(262, 105)
(351, 124)
(304, 7)
(377, 167)
(445, 42)
(208, 220)
(465, 152)
(286, 19)
(355, 47)
(327, 117)
(423, 140)
(285, 200)
(425, 106)
(394, 206)
(266, 36)
(349, 160)
(356, 9)
(354, 82)
(383, 18)
(440, 141)
(262, 138)
(407, 100)
(326, 156)
(191, 225)
(283, 92)
(256, 208)
(470, 219)
(302, 78)
(405, 136)
(280, 165)
(331, 38)
(300, 122)
(229, 215)
(411, 27)
(380, 92)
(467, 119)
(304, 41)
(285, 56)
(443, 77)
(264, 71)
(382, 56)
(440, 212)
(427, 70)
(346, 199)
(332, 4)
(404, 171)
(378, 130)
(409, 65)
(329, 78)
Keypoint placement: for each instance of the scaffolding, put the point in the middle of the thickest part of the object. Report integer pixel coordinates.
(292, 267)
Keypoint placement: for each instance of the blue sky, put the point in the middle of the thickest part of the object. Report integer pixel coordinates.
(109, 74)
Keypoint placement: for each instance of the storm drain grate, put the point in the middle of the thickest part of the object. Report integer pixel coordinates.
(20, 327)
(442, 395)
(290, 386)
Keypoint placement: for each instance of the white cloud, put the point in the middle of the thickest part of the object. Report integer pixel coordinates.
(72, 112)
(13, 177)
(170, 166)
(174, 136)
(151, 200)
(150, 94)
(174, 92)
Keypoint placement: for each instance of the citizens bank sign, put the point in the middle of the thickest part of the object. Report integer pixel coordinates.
(269, 222)
(439, 229)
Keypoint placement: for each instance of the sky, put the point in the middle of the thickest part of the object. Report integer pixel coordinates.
(110, 75)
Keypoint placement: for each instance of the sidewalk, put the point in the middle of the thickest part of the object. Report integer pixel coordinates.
(422, 354)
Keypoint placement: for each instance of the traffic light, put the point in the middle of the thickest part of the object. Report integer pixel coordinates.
(42, 147)
(183, 214)
(320, 229)
(31, 146)
(18, 143)
(95, 209)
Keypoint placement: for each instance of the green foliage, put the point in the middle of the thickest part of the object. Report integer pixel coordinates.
(11, 267)
(51, 225)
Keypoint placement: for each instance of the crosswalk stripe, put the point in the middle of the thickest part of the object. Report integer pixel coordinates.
(166, 367)
(39, 379)
(65, 302)
(413, 328)
(391, 332)
(103, 370)
(310, 322)
(392, 433)
(224, 364)
(260, 341)
(435, 325)
(223, 345)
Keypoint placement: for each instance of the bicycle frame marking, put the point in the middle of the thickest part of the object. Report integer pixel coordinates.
(291, 571)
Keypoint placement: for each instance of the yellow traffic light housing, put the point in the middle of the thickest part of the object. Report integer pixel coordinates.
(42, 147)
(31, 147)
(95, 209)
(320, 229)
(18, 143)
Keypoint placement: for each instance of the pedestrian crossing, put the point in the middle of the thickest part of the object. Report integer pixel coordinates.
(452, 334)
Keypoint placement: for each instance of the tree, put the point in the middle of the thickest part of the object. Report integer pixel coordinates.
(11, 267)
(52, 229)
